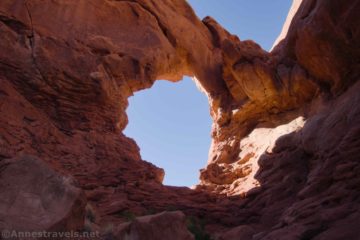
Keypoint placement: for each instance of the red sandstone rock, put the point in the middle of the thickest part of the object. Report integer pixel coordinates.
(240, 232)
(162, 226)
(67, 69)
(35, 198)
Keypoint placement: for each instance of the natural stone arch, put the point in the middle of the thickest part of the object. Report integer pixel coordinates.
(85, 73)
(63, 99)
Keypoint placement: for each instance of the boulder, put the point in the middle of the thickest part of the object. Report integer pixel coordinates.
(162, 226)
(36, 198)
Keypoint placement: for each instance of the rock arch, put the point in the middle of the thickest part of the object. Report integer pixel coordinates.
(65, 80)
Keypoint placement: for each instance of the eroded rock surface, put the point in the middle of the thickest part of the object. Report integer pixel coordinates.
(36, 198)
(283, 162)
(162, 226)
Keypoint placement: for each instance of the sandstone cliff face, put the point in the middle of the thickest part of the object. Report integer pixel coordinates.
(284, 157)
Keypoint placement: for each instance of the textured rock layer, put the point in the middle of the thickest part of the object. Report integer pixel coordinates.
(283, 163)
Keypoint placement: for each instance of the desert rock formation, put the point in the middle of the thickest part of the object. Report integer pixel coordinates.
(283, 163)
(33, 196)
(162, 226)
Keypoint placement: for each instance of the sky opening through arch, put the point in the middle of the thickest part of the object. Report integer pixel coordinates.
(171, 121)
(171, 124)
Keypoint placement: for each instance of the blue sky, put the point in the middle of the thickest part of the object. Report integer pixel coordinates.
(170, 122)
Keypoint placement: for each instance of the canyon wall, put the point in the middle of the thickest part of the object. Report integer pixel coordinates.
(283, 163)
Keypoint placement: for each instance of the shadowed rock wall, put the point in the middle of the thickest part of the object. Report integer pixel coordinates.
(286, 123)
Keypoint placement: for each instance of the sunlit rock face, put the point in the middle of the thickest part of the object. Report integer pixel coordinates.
(238, 177)
(283, 163)
(293, 10)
